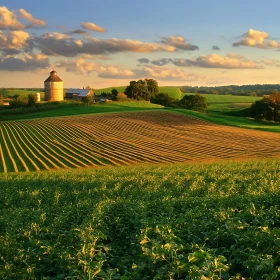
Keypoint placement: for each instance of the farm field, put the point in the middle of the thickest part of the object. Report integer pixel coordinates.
(179, 221)
(125, 139)
(68, 108)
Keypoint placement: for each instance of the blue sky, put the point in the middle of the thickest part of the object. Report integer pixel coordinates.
(108, 43)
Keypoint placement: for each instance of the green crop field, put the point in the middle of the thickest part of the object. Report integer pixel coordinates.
(142, 193)
(125, 139)
(182, 221)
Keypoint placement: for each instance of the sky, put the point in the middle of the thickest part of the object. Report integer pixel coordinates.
(109, 43)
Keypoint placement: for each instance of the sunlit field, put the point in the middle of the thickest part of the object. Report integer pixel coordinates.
(176, 221)
(125, 139)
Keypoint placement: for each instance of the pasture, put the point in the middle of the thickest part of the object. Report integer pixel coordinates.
(222, 99)
(22, 92)
(176, 221)
(125, 139)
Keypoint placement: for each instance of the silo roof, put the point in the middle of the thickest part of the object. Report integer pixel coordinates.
(53, 78)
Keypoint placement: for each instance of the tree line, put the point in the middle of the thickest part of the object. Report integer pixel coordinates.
(148, 90)
(246, 90)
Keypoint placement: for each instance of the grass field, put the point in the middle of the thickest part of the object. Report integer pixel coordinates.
(23, 92)
(199, 221)
(223, 99)
(74, 108)
(125, 139)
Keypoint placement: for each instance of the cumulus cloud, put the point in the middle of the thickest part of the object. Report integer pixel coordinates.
(8, 20)
(161, 62)
(144, 60)
(156, 72)
(115, 73)
(215, 48)
(274, 44)
(166, 74)
(27, 62)
(92, 27)
(179, 43)
(63, 45)
(34, 22)
(13, 39)
(252, 38)
(230, 61)
(80, 65)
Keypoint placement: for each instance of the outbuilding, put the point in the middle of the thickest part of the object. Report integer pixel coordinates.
(77, 93)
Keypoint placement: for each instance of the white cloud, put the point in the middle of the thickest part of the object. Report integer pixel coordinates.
(92, 27)
(252, 38)
(8, 20)
(230, 61)
(65, 45)
(13, 39)
(27, 16)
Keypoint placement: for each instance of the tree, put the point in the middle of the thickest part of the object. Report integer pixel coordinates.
(163, 99)
(114, 92)
(87, 99)
(120, 96)
(139, 90)
(31, 100)
(152, 86)
(194, 102)
(19, 102)
(267, 109)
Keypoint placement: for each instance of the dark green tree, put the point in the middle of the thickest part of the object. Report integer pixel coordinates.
(137, 90)
(19, 102)
(87, 99)
(114, 92)
(31, 100)
(163, 99)
(152, 86)
(142, 89)
(194, 102)
(267, 109)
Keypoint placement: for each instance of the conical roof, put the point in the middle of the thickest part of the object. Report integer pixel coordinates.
(53, 77)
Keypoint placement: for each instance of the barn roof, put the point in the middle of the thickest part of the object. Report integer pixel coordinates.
(53, 77)
(81, 92)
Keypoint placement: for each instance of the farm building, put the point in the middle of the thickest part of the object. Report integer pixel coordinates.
(53, 87)
(75, 93)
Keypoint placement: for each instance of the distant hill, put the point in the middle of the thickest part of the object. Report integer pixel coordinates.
(174, 92)
(253, 90)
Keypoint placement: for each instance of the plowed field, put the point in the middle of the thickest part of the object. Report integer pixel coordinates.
(124, 139)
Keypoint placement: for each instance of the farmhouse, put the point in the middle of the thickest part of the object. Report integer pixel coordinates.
(76, 93)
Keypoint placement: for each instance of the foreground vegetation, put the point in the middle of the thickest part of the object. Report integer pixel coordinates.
(217, 221)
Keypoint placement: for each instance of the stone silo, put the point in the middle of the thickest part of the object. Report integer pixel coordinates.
(53, 87)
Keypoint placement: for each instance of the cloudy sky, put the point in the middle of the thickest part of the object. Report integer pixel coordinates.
(104, 43)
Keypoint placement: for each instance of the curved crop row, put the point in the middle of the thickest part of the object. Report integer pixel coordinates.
(124, 139)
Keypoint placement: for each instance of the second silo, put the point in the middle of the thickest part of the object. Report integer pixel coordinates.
(53, 87)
